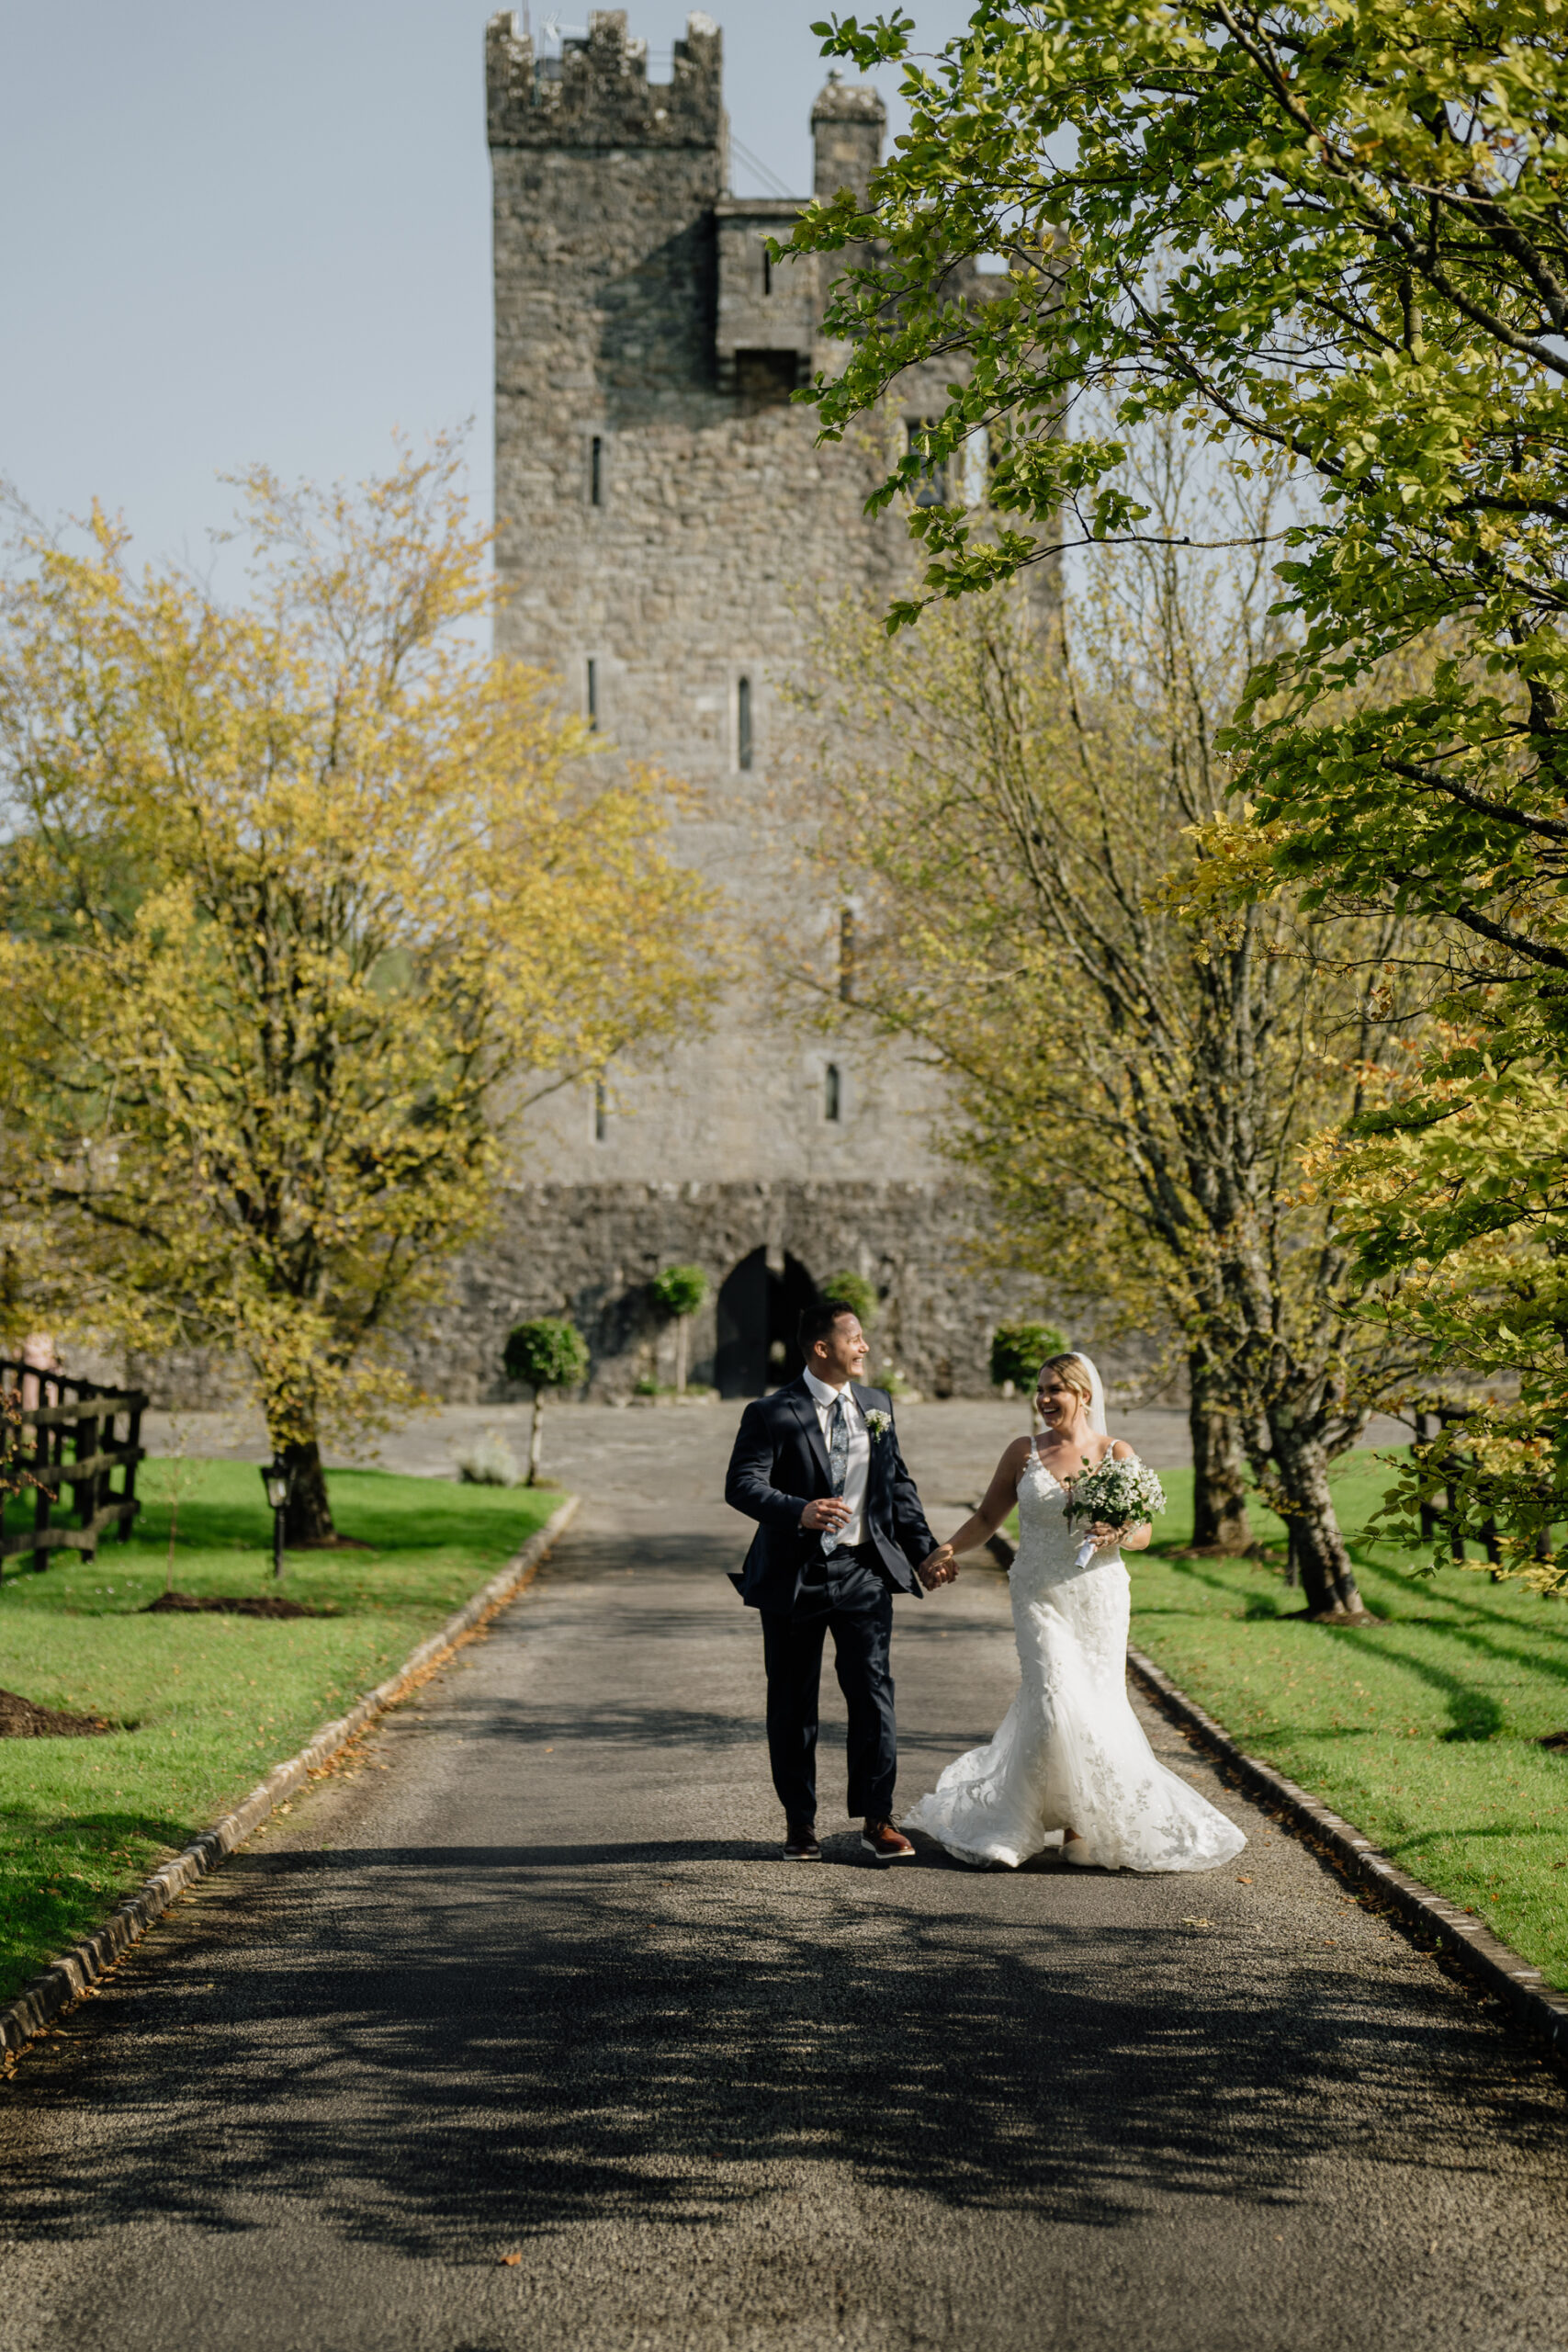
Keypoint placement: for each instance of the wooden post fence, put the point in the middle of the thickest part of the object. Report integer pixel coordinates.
(55, 1413)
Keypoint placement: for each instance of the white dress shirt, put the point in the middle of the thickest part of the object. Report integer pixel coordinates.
(857, 1470)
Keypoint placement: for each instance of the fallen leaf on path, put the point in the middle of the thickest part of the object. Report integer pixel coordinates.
(1243, 1879)
(1191, 1922)
(512, 2260)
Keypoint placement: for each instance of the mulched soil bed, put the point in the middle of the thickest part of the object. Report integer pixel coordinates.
(256, 1604)
(19, 1719)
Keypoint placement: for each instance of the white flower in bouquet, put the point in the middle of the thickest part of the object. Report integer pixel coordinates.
(1119, 1494)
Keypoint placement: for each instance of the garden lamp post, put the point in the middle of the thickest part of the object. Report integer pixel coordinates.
(278, 1480)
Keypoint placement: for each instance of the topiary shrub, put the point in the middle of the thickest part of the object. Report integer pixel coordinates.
(1017, 1351)
(549, 1352)
(680, 1291)
(852, 1291)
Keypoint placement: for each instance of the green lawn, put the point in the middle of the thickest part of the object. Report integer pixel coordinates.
(1423, 1730)
(207, 1704)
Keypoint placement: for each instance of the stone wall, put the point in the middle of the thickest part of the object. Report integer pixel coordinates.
(590, 1251)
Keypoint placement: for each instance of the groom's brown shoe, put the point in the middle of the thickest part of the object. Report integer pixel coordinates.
(889, 1845)
(800, 1843)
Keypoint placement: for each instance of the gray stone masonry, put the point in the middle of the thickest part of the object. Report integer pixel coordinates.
(590, 1252)
(668, 534)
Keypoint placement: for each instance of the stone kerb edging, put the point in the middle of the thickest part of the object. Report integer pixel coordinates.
(1503, 1971)
(1498, 1966)
(77, 1971)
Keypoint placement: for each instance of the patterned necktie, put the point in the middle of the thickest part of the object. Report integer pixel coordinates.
(837, 1460)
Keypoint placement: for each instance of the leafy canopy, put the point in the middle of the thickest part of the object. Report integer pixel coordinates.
(1011, 811)
(1333, 236)
(679, 1290)
(549, 1352)
(1017, 1351)
(306, 898)
(853, 1290)
(1334, 233)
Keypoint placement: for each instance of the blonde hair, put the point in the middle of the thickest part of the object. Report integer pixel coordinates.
(1071, 1372)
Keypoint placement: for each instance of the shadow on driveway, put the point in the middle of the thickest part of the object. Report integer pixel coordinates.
(453, 2047)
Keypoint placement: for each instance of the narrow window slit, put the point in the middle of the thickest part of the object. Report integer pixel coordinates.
(832, 1093)
(743, 723)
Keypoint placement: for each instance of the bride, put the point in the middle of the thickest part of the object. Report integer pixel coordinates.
(1070, 1757)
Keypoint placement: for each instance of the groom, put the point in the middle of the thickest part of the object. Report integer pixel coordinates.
(840, 1527)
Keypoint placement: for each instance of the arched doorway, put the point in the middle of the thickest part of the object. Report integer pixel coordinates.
(758, 1307)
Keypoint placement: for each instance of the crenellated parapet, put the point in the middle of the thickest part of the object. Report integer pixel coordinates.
(597, 93)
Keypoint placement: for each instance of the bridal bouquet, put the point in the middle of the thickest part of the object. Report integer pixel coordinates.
(1122, 1494)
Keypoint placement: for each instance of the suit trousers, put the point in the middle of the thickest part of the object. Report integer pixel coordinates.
(845, 1594)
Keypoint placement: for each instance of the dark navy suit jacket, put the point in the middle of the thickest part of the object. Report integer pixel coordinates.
(779, 1462)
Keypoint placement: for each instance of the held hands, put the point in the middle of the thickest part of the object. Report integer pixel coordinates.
(825, 1512)
(1106, 1538)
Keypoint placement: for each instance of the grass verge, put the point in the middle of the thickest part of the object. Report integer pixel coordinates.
(203, 1705)
(1423, 1730)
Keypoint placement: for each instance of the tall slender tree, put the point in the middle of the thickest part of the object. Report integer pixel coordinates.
(307, 897)
(1136, 1082)
(1337, 233)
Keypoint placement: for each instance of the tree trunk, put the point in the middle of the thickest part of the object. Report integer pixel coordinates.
(536, 1438)
(1317, 1546)
(680, 1356)
(1219, 1468)
(308, 1519)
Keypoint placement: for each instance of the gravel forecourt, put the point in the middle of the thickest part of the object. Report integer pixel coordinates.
(516, 2032)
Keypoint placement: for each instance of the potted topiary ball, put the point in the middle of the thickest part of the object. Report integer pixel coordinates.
(854, 1292)
(680, 1291)
(1017, 1351)
(549, 1352)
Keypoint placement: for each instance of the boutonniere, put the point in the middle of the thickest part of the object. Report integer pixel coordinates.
(878, 1423)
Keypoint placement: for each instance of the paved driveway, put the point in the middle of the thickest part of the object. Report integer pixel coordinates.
(530, 1982)
(951, 1445)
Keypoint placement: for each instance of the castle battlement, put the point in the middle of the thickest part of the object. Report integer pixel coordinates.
(597, 95)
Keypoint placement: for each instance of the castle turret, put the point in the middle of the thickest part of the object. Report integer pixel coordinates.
(848, 124)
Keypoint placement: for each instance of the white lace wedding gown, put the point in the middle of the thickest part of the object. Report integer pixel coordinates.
(1070, 1752)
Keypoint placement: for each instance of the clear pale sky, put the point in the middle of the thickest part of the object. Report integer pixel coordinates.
(263, 233)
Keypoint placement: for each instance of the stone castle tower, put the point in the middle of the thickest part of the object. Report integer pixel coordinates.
(665, 521)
